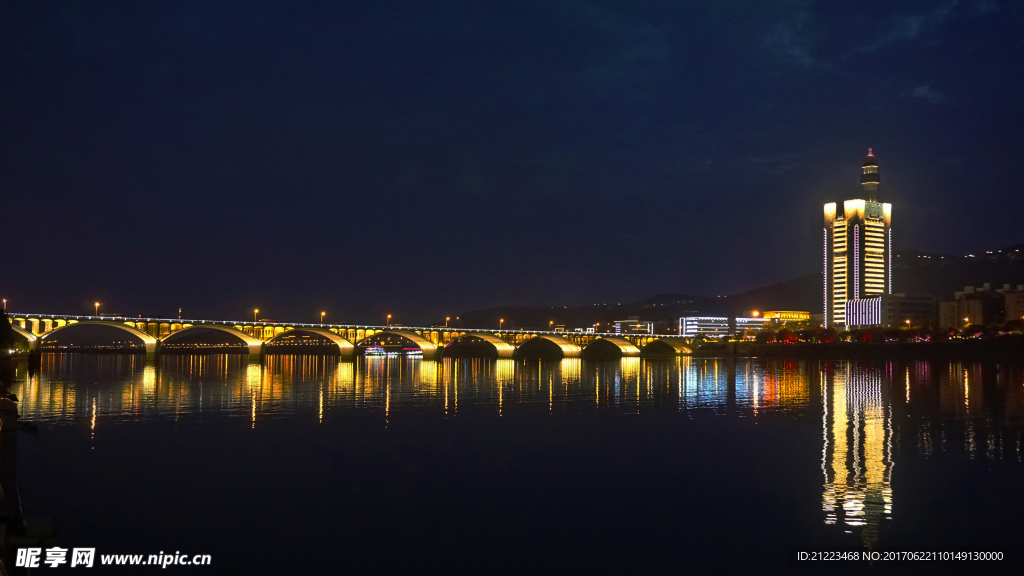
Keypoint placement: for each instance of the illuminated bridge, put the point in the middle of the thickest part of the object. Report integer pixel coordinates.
(68, 333)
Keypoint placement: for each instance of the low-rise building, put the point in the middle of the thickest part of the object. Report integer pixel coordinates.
(718, 325)
(786, 315)
(1014, 302)
(982, 306)
(893, 310)
(632, 325)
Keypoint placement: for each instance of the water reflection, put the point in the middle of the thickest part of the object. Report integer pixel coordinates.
(857, 458)
(98, 387)
(870, 413)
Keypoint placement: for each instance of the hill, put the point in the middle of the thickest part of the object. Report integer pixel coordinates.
(914, 272)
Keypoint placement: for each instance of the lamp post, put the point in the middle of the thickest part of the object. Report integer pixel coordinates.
(967, 322)
(459, 320)
(5, 304)
(322, 314)
(500, 322)
(179, 313)
(97, 305)
(389, 319)
(254, 313)
(446, 319)
(550, 324)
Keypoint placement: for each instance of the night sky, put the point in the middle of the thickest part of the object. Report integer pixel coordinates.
(426, 159)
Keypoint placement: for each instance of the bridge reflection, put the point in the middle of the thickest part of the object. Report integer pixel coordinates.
(871, 413)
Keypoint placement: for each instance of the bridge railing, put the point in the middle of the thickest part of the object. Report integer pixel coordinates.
(41, 324)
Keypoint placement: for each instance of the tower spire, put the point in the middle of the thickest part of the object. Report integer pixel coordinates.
(870, 178)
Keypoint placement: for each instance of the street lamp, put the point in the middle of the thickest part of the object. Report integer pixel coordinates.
(446, 319)
(500, 322)
(97, 305)
(254, 313)
(550, 324)
(967, 321)
(5, 304)
(322, 314)
(389, 319)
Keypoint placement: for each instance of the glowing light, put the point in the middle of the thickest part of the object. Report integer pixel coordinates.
(856, 262)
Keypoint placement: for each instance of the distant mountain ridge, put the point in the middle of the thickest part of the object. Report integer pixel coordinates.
(914, 272)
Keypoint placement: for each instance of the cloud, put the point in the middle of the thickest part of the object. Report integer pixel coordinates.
(790, 37)
(986, 6)
(813, 36)
(911, 27)
(925, 91)
(780, 164)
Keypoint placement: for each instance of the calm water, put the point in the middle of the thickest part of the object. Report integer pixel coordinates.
(309, 465)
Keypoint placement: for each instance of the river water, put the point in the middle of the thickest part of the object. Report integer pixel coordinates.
(304, 464)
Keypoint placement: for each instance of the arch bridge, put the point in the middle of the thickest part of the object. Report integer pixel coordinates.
(55, 332)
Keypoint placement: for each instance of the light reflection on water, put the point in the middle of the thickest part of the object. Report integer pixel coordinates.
(100, 387)
(869, 412)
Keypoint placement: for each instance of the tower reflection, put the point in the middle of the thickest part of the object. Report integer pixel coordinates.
(857, 458)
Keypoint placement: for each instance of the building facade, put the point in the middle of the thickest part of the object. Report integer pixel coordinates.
(857, 248)
(786, 315)
(1015, 304)
(691, 326)
(632, 325)
(893, 311)
(982, 306)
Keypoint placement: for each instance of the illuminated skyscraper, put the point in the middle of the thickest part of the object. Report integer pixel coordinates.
(857, 248)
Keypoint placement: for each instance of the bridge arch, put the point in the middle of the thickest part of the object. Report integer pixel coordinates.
(31, 340)
(428, 348)
(67, 330)
(548, 347)
(610, 348)
(477, 344)
(294, 340)
(665, 348)
(207, 334)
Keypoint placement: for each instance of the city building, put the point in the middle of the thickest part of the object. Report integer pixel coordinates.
(1014, 303)
(893, 310)
(718, 325)
(982, 305)
(783, 316)
(857, 248)
(632, 325)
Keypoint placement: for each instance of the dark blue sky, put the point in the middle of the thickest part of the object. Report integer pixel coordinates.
(429, 158)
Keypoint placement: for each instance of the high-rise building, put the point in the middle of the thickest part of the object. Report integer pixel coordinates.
(858, 248)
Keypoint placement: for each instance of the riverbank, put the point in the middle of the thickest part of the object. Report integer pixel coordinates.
(1008, 347)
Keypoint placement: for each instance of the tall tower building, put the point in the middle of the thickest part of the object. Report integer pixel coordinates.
(858, 249)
